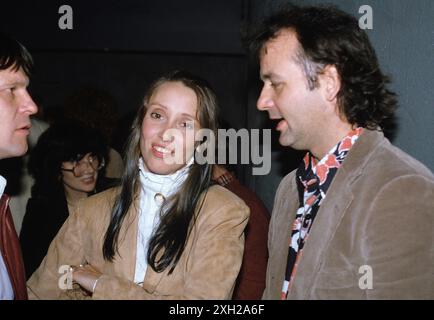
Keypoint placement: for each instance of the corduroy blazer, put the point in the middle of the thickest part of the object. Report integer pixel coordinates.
(376, 220)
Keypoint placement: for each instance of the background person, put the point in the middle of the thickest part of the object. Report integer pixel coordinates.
(250, 283)
(16, 107)
(67, 165)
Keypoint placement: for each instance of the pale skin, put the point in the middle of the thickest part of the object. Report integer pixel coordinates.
(77, 188)
(169, 126)
(171, 106)
(16, 107)
(309, 120)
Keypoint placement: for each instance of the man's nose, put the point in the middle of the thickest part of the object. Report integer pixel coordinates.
(28, 105)
(265, 100)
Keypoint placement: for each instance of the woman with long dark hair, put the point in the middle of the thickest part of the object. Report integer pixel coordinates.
(66, 165)
(167, 232)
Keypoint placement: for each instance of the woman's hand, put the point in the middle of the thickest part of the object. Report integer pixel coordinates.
(86, 276)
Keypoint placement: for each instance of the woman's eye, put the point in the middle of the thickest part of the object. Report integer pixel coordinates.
(155, 115)
(188, 124)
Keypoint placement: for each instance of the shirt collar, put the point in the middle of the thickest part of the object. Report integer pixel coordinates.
(341, 148)
(317, 175)
(2, 185)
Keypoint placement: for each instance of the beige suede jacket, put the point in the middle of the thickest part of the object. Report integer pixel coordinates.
(207, 268)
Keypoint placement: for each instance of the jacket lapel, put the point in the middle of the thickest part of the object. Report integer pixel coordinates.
(283, 217)
(328, 218)
(152, 279)
(330, 214)
(126, 265)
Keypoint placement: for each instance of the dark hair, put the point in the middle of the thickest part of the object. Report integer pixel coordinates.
(177, 215)
(64, 141)
(329, 36)
(14, 55)
(95, 108)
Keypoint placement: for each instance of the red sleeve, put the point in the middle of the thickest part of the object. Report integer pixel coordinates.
(251, 279)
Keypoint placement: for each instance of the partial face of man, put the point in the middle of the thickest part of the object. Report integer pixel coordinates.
(16, 106)
(285, 94)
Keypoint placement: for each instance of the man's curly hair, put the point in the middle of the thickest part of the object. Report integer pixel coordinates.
(329, 36)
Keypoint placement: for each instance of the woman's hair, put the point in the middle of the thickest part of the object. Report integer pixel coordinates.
(178, 212)
(94, 108)
(65, 141)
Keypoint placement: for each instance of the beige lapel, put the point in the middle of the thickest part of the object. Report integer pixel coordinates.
(323, 229)
(152, 279)
(125, 263)
(282, 227)
(330, 214)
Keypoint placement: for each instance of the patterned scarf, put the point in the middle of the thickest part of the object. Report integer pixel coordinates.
(313, 180)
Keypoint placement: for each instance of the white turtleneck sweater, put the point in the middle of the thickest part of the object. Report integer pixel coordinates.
(152, 187)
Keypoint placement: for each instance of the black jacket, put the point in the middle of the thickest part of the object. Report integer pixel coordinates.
(44, 217)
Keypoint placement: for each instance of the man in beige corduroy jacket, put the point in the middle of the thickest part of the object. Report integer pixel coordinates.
(355, 220)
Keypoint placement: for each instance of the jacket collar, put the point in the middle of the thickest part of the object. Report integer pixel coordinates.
(129, 230)
(331, 213)
(2, 185)
(127, 251)
(164, 184)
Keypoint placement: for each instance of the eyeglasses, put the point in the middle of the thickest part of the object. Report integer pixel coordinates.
(79, 166)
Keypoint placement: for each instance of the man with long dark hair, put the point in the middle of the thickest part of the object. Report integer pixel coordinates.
(16, 106)
(355, 220)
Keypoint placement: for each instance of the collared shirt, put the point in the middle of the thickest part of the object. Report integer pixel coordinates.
(6, 290)
(155, 189)
(313, 181)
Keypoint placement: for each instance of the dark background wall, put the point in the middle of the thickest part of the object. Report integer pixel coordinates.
(121, 46)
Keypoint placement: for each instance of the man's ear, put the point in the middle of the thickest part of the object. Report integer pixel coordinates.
(331, 82)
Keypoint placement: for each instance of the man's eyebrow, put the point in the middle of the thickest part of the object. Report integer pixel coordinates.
(14, 83)
(270, 76)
